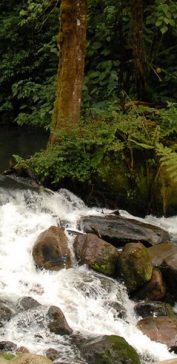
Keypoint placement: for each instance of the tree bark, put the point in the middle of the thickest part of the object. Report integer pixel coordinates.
(139, 53)
(72, 45)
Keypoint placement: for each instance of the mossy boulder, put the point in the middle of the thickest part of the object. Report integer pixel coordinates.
(135, 265)
(110, 350)
(97, 253)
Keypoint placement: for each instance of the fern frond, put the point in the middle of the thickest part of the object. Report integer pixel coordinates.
(168, 160)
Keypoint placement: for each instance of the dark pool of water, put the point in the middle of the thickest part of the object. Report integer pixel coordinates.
(23, 141)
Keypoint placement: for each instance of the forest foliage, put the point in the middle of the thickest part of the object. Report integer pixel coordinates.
(113, 123)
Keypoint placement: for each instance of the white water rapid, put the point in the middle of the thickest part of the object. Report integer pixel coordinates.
(84, 296)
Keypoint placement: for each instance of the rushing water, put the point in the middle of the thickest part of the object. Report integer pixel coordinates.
(84, 296)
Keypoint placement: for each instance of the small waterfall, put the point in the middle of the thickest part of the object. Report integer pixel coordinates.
(87, 299)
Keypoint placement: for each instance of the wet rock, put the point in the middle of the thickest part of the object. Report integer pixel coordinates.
(97, 253)
(52, 354)
(109, 350)
(165, 256)
(155, 289)
(7, 346)
(22, 349)
(145, 309)
(135, 265)
(5, 313)
(51, 250)
(159, 253)
(119, 230)
(58, 323)
(162, 329)
(120, 311)
(26, 303)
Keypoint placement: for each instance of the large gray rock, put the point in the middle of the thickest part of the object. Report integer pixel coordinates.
(51, 250)
(120, 230)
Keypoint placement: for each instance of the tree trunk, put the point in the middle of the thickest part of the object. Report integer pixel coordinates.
(139, 53)
(72, 45)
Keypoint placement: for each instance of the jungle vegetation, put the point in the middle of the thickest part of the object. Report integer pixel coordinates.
(121, 135)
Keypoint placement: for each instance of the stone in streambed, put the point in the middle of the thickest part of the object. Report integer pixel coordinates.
(97, 253)
(119, 230)
(135, 265)
(5, 313)
(51, 250)
(7, 346)
(57, 321)
(155, 289)
(109, 350)
(164, 256)
(145, 309)
(162, 329)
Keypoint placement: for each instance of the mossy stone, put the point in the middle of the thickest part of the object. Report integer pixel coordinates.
(135, 265)
(110, 350)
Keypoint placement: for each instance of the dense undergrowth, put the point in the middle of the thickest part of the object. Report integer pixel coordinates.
(126, 151)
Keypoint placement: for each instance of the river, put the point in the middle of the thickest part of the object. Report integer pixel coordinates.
(82, 294)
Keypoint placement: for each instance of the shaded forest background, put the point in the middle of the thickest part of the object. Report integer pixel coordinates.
(123, 114)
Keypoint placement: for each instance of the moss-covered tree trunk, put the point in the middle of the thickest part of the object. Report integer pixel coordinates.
(139, 53)
(72, 44)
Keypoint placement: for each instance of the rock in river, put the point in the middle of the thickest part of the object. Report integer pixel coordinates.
(97, 253)
(119, 230)
(51, 250)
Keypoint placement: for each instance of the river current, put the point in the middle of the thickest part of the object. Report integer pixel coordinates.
(84, 296)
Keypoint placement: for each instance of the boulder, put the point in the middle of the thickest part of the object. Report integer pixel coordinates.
(5, 313)
(145, 309)
(119, 230)
(117, 308)
(109, 350)
(7, 346)
(57, 322)
(165, 256)
(27, 358)
(135, 265)
(22, 349)
(26, 303)
(52, 354)
(162, 329)
(97, 253)
(51, 250)
(155, 289)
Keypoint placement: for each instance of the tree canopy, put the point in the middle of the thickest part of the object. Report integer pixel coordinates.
(29, 56)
